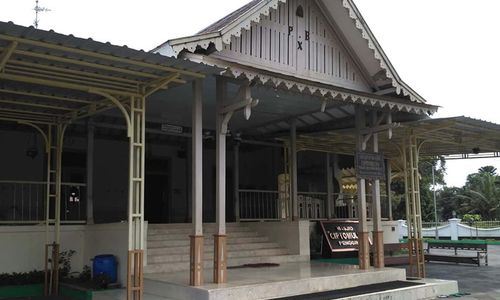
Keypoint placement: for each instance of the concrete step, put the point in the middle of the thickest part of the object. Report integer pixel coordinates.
(184, 236)
(208, 242)
(231, 247)
(206, 226)
(189, 231)
(209, 255)
(234, 261)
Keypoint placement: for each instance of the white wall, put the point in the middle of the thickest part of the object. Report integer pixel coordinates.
(23, 247)
(292, 235)
(453, 230)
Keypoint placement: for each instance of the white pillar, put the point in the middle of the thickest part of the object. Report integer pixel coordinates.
(196, 239)
(454, 228)
(237, 181)
(388, 188)
(376, 213)
(364, 247)
(293, 165)
(90, 171)
(220, 249)
(197, 159)
(329, 187)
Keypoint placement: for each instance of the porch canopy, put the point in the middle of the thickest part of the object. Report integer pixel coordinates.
(454, 137)
(50, 80)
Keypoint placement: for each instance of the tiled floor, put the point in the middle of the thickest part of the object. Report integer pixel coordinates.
(250, 276)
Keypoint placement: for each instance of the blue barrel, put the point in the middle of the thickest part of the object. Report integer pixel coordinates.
(105, 264)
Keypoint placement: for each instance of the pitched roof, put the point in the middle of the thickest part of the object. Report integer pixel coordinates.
(342, 13)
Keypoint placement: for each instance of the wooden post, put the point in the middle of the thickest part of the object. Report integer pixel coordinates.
(220, 249)
(196, 239)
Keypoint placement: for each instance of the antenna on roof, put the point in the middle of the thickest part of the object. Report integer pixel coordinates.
(37, 10)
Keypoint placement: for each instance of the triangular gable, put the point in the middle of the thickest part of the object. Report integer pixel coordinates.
(325, 41)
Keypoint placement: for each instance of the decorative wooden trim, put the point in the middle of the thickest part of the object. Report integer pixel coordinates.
(401, 88)
(196, 260)
(135, 275)
(220, 258)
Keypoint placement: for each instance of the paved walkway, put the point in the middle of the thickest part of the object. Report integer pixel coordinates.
(481, 282)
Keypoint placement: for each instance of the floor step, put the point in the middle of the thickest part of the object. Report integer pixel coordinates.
(208, 242)
(231, 247)
(152, 259)
(184, 236)
(236, 261)
(168, 247)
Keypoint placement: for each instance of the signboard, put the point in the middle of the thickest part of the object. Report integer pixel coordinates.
(341, 235)
(370, 165)
(171, 128)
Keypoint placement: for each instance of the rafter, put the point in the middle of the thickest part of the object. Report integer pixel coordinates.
(6, 54)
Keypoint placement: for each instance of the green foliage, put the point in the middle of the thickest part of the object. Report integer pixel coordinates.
(86, 274)
(447, 202)
(102, 280)
(33, 277)
(481, 194)
(471, 218)
(65, 263)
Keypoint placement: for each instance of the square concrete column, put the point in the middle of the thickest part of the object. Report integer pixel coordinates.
(196, 239)
(364, 246)
(378, 233)
(220, 249)
(293, 170)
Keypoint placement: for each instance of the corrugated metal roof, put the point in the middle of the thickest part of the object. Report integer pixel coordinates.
(222, 23)
(52, 37)
(51, 77)
(436, 137)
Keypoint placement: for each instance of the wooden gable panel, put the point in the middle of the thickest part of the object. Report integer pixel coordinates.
(296, 39)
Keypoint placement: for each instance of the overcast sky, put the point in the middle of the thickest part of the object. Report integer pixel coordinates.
(447, 50)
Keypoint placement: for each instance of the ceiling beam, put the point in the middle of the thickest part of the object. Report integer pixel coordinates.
(6, 54)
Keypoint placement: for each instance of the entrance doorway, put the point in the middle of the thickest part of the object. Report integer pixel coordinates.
(157, 194)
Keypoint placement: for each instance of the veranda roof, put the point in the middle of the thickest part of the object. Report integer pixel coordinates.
(48, 78)
(462, 136)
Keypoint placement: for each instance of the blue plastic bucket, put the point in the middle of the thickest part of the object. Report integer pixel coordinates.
(105, 264)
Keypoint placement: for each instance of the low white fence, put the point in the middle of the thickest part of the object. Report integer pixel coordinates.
(24, 202)
(454, 230)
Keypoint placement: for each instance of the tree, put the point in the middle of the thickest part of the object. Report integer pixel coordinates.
(426, 188)
(447, 202)
(426, 192)
(481, 194)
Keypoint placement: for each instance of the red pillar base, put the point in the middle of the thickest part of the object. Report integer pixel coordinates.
(364, 250)
(220, 258)
(378, 255)
(196, 260)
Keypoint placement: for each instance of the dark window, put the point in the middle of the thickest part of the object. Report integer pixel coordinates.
(300, 11)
